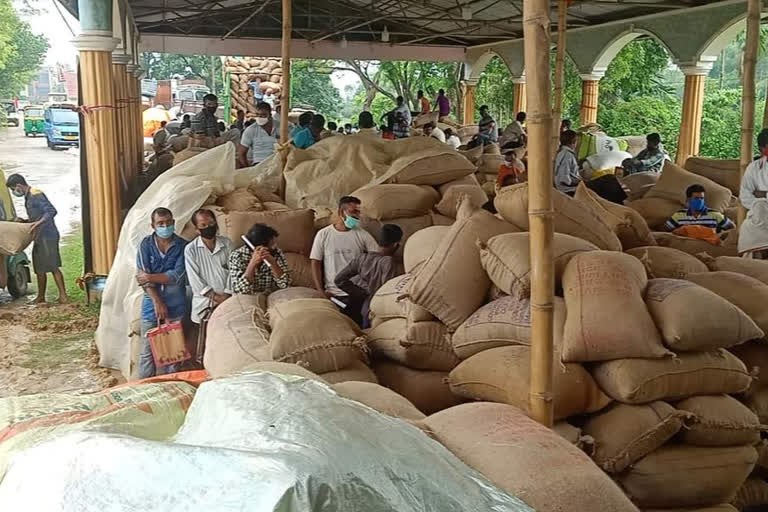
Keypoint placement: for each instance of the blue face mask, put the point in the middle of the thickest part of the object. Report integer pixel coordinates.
(697, 204)
(165, 231)
(351, 222)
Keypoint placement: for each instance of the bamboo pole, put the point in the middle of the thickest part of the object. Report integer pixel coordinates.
(748, 89)
(121, 146)
(557, 112)
(690, 123)
(285, 92)
(540, 213)
(469, 103)
(520, 96)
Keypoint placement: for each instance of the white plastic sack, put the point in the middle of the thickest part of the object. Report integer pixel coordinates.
(608, 160)
(244, 447)
(183, 189)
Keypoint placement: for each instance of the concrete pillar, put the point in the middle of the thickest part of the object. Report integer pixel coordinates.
(470, 89)
(519, 94)
(693, 105)
(123, 117)
(590, 92)
(95, 45)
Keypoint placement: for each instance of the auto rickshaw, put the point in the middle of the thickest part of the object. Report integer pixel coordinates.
(33, 120)
(14, 269)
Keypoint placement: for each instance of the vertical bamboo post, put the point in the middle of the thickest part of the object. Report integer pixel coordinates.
(540, 213)
(765, 109)
(590, 93)
(557, 112)
(285, 93)
(469, 102)
(519, 95)
(748, 89)
(690, 123)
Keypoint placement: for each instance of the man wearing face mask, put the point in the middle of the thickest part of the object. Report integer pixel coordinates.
(162, 274)
(207, 263)
(258, 140)
(205, 122)
(335, 247)
(697, 214)
(260, 267)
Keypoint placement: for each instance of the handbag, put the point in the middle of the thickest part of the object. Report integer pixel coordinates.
(167, 344)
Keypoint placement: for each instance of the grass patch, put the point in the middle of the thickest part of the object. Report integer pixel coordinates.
(72, 265)
(51, 353)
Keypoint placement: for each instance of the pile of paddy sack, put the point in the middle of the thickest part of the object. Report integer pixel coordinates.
(245, 73)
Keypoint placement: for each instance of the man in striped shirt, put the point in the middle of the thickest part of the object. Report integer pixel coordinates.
(697, 213)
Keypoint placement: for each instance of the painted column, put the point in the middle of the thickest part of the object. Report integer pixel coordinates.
(138, 110)
(95, 45)
(519, 94)
(470, 89)
(590, 92)
(693, 105)
(122, 117)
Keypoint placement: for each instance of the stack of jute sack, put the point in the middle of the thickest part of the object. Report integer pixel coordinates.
(245, 70)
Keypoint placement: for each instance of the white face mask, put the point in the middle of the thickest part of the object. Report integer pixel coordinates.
(261, 121)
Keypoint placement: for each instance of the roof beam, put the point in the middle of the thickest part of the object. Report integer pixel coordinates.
(256, 11)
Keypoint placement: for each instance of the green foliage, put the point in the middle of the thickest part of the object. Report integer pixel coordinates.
(311, 85)
(165, 66)
(642, 115)
(495, 89)
(21, 51)
(636, 71)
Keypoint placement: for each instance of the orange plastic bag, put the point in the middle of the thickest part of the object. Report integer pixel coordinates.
(191, 377)
(699, 233)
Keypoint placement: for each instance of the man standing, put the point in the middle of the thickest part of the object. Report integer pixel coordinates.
(423, 102)
(308, 136)
(257, 94)
(335, 247)
(651, 159)
(697, 213)
(45, 252)
(206, 260)
(258, 141)
(205, 122)
(403, 109)
(442, 104)
(162, 274)
(567, 175)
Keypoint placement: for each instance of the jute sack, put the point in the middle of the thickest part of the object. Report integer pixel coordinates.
(358, 371)
(264, 194)
(422, 119)
(526, 459)
(690, 317)
(638, 381)
(420, 345)
(599, 288)
(441, 220)
(722, 172)
(639, 183)
(688, 476)
(452, 284)
(409, 225)
(755, 357)
(695, 247)
(14, 237)
(282, 309)
(431, 166)
(379, 398)
(239, 200)
(388, 300)
(491, 149)
(757, 269)
(571, 217)
(747, 293)
(753, 493)
(421, 245)
(237, 335)
(757, 401)
(278, 297)
(383, 202)
(274, 207)
(656, 211)
(453, 190)
(427, 390)
(674, 180)
(296, 227)
(503, 374)
(301, 269)
(507, 260)
(630, 227)
(721, 420)
(473, 155)
(664, 262)
(505, 321)
(625, 433)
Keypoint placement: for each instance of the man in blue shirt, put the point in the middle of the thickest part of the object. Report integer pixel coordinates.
(45, 253)
(162, 274)
(308, 136)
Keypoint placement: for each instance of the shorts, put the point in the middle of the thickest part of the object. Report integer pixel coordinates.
(45, 255)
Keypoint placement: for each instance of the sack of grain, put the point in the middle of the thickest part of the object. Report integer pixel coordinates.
(722, 172)
(638, 184)
(240, 200)
(691, 317)
(441, 220)
(297, 338)
(656, 211)
(757, 401)
(409, 225)
(237, 335)
(388, 301)
(717, 508)
(507, 260)
(489, 165)
(625, 433)
(274, 207)
(628, 224)
(688, 476)
(14, 237)
(505, 321)
(379, 398)
(278, 297)
(599, 288)
(431, 166)
(752, 495)
(453, 190)
(757, 269)
(296, 227)
(721, 420)
(473, 155)
(357, 371)
(526, 459)
(674, 180)
(280, 310)
(301, 269)
(694, 246)
(421, 245)
(422, 119)
(427, 390)
(452, 284)
(491, 149)
(639, 381)
(665, 262)
(745, 292)
(503, 374)
(420, 345)
(755, 357)
(571, 217)
(264, 194)
(384, 202)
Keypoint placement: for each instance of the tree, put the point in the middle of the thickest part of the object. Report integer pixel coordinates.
(165, 66)
(642, 115)
(21, 52)
(311, 85)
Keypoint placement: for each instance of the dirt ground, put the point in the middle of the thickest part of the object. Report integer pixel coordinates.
(49, 348)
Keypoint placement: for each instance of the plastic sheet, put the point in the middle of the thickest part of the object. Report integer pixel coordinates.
(255, 442)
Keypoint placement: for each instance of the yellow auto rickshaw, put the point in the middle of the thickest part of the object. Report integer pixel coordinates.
(33, 120)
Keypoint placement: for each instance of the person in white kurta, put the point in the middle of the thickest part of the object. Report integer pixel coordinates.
(753, 232)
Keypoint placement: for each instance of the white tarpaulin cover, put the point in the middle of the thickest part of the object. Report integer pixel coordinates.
(255, 442)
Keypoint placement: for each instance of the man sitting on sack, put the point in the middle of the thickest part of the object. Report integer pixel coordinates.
(259, 266)
(430, 130)
(651, 159)
(161, 272)
(698, 221)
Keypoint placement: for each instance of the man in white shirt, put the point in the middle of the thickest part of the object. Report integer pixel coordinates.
(433, 131)
(754, 184)
(206, 259)
(515, 131)
(452, 139)
(567, 174)
(753, 232)
(257, 142)
(335, 246)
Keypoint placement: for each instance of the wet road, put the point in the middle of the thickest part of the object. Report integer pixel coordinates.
(57, 173)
